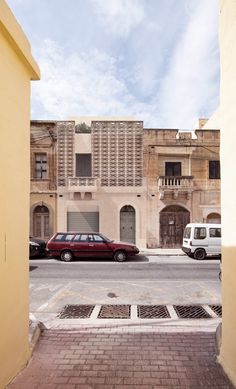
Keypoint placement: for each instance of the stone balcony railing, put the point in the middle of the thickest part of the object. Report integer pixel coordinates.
(82, 184)
(174, 185)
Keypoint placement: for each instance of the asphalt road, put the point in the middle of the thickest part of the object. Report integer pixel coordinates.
(139, 267)
(147, 280)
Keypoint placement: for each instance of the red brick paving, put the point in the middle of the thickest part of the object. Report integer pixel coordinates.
(67, 359)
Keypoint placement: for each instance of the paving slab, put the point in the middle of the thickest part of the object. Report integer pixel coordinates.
(83, 359)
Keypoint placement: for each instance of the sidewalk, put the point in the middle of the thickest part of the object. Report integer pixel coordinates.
(162, 251)
(86, 354)
(96, 359)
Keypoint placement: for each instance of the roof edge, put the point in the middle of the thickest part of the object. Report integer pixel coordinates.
(13, 32)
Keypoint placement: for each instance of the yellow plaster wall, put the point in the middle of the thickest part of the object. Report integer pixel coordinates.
(228, 173)
(16, 70)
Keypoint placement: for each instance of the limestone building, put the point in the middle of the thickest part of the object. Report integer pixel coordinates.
(183, 182)
(133, 184)
(100, 179)
(43, 178)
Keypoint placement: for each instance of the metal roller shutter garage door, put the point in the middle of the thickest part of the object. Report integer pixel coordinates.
(83, 221)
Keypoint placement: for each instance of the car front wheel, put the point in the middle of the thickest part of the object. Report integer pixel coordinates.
(66, 256)
(120, 256)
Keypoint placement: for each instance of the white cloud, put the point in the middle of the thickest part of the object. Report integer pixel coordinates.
(167, 84)
(120, 16)
(78, 84)
(189, 87)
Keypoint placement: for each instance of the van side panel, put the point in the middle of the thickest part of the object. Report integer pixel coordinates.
(202, 235)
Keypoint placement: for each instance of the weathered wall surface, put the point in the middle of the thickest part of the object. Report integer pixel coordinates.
(17, 67)
(228, 161)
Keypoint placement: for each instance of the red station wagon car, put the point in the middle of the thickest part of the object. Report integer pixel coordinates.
(69, 245)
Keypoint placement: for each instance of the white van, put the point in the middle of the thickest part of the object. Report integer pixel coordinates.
(201, 239)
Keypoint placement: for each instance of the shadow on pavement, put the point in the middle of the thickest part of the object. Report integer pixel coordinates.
(31, 268)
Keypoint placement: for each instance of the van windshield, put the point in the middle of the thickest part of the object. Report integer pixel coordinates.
(187, 232)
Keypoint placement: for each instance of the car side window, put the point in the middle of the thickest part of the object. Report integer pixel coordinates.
(97, 238)
(63, 238)
(77, 237)
(199, 233)
(83, 238)
(59, 238)
(69, 237)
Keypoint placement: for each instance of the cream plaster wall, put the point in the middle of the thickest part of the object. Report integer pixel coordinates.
(108, 204)
(17, 67)
(83, 143)
(228, 174)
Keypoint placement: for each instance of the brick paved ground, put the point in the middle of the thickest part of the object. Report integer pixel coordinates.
(71, 359)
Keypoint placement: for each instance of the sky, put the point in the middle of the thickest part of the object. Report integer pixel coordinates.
(154, 60)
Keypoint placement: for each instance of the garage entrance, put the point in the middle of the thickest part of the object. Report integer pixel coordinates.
(173, 220)
(83, 221)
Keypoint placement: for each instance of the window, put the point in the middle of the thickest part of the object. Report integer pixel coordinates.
(215, 232)
(187, 232)
(199, 233)
(214, 170)
(83, 238)
(97, 238)
(173, 169)
(83, 165)
(64, 237)
(41, 166)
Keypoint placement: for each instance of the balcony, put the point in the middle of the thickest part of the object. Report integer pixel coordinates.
(82, 184)
(175, 185)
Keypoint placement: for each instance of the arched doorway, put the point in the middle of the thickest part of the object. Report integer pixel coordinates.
(41, 222)
(127, 224)
(213, 218)
(173, 220)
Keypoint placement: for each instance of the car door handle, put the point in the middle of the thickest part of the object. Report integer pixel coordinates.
(91, 245)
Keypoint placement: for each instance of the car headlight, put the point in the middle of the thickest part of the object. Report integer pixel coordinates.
(34, 244)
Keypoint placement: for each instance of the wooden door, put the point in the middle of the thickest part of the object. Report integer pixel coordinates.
(173, 220)
(127, 224)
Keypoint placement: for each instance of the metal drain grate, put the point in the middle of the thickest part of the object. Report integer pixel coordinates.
(114, 312)
(217, 309)
(153, 312)
(76, 311)
(191, 312)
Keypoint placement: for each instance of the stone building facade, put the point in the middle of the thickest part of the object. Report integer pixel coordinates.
(183, 182)
(43, 178)
(100, 180)
(133, 184)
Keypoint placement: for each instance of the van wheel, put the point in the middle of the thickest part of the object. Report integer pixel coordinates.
(199, 254)
(66, 256)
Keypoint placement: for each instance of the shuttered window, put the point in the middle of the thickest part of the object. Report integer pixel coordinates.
(83, 165)
(173, 169)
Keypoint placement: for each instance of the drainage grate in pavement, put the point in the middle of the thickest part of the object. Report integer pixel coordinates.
(191, 312)
(217, 309)
(114, 312)
(76, 311)
(153, 312)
